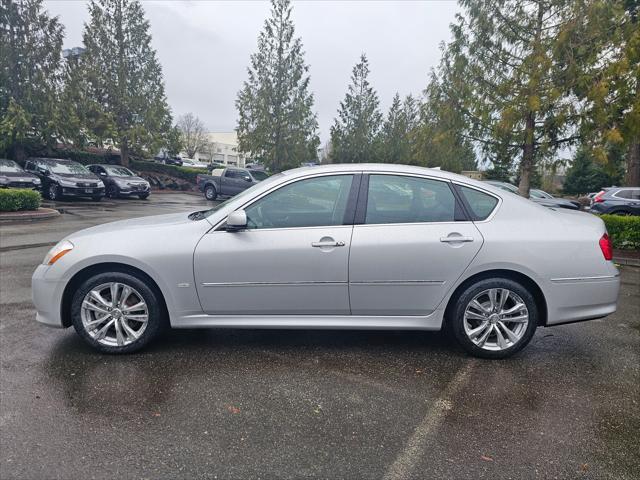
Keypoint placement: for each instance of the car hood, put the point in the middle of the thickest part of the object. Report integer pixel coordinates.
(77, 178)
(18, 176)
(128, 178)
(142, 223)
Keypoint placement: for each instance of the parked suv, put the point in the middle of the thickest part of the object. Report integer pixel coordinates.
(119, 181)
(65, 178)
(617, 201)
(12, 176)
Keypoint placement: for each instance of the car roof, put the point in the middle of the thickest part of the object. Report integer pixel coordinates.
(7, 161)
(56, 160)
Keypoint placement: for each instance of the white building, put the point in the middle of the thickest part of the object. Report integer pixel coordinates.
(223, 149)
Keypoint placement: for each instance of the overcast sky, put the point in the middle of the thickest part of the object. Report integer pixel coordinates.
(204, 48)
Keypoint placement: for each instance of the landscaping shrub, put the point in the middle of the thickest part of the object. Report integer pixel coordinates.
(12, 200)
(624, 231)
(184, 173)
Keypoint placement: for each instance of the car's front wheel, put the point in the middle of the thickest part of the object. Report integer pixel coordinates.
(494, 318)
(53, 192)
(117, 312)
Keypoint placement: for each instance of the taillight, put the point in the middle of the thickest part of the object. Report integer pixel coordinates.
(598, 197)
(606, 246)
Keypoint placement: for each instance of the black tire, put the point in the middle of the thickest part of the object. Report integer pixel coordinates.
(455, 322)
(112, 191)
(144, 196)
(210, 192)
(623, 213)
(53, 192)
(156, 316)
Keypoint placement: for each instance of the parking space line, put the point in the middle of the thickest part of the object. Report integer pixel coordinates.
(414, 450)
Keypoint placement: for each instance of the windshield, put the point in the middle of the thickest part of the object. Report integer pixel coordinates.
(248, 192)
(119, 171)
(259, 175)
(7, 166)
(66, 168)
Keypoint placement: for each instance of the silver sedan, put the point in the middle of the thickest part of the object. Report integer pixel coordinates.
(342, 247)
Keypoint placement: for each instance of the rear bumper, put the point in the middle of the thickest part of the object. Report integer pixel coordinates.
(46, 295)
(586, 298)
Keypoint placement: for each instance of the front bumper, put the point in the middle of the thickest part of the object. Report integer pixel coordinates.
(46, 294)
(132, 191)
(82, 191)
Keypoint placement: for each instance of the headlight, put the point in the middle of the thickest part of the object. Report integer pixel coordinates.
(4, 180)
(36, 181)
(57, 252)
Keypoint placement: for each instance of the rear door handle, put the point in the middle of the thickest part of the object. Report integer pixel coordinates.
(456, 239)
(327, 243)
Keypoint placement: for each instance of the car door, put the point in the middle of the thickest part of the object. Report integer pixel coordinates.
(411, 242)
(292, 259)
(235, 181)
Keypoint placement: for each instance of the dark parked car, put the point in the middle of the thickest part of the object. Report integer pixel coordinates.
(617, 201)
(539, 196)
(121, 182)
(177, 161)
(65, 178)
(12, 176)
(227, 182)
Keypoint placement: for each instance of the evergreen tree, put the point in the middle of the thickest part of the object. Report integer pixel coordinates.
(125, 76)
(602, 54)
(396, 142)
(275, 122)
(585, 175)
(354, 134)
(439, 139)
(512, 85)
(30, 70)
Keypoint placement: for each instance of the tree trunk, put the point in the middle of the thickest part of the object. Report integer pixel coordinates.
(632, 179)
(527, 163)
(124, 152)
(19, 154)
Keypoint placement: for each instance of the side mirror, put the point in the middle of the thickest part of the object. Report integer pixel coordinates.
(236, 221)
(247, 178)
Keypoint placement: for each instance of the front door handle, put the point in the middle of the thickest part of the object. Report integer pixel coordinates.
(327, 243)
(456, 239)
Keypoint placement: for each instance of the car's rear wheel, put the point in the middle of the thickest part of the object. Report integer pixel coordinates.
(117, 312)
(494, 318)
(210, 192)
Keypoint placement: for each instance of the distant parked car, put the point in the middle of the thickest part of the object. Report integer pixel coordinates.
(254, 166)
(177, 161)
(227, 182)
(538, 196)
(617, 201)
(191, 163)
(121, 182)
(65, 178)
(13, 176)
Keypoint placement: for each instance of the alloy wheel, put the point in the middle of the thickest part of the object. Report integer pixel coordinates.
(114, 314)
(53, 192)
(496, 319)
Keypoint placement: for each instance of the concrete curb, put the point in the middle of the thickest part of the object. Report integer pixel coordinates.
(29, 216)
(630, 262)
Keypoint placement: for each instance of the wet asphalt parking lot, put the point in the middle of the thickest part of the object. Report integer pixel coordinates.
(306, 404)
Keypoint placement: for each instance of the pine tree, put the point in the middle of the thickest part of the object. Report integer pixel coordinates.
(439, 139)
(30, 71)
(602, 55)
(396, 141)
(276, 124)
(586, 175)
(355, 133)
(125, 76)
(512, 86)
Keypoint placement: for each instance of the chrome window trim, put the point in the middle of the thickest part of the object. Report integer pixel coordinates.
(250, 202)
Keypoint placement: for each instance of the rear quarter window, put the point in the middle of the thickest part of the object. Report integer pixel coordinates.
(481, 204)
